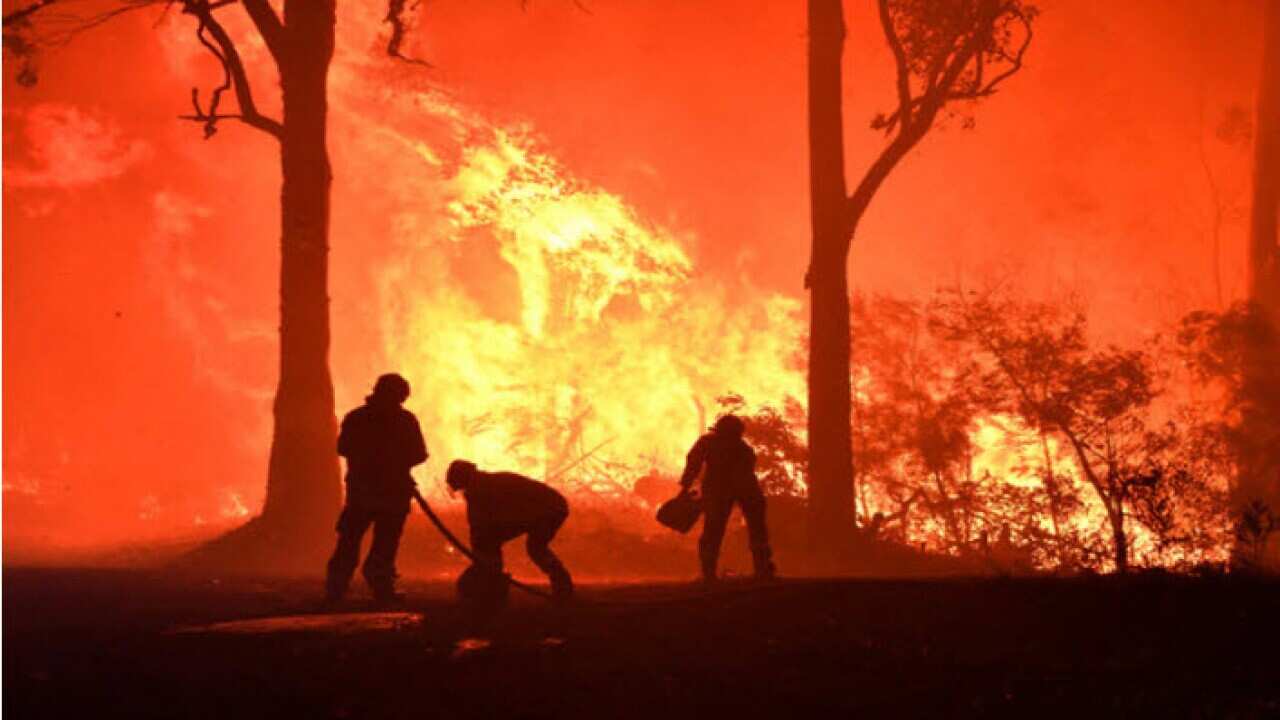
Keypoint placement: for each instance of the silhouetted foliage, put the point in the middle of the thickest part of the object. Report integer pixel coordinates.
(913, 419)
(1216, 347)
(1041, 367)
(1253, 531)
(952, 51)
(965, 410)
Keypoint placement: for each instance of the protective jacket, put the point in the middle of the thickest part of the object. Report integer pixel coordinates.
(504, 504)
(381, 442)
(729, 479)
(730, 465)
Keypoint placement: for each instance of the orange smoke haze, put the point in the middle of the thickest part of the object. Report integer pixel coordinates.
(572, 235)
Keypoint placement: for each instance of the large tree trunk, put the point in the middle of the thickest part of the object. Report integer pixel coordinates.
(303, 486)
(1264, 250)
(1259, 466)
(831, 489)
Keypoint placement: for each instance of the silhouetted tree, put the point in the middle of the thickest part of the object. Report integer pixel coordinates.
(303, 489)
(1259, 463)
(945, 51)
(1042, 369)
(914, 418)
(1254, 528)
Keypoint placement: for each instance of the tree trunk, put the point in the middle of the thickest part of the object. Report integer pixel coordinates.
(1259, 462)
(1111, 501)
(1120, 540)
(303, 486)
(1264, 250)
(831, 492)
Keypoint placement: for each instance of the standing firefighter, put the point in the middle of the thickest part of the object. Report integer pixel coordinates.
(502, 506)
(381, 442)
(730, 478)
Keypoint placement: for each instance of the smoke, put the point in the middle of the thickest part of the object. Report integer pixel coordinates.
(67, 147)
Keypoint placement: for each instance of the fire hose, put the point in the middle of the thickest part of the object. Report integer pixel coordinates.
(466, 551)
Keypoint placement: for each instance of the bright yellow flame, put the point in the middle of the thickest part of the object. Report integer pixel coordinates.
(547, 328)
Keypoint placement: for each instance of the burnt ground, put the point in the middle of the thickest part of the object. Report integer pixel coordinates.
(120, 643)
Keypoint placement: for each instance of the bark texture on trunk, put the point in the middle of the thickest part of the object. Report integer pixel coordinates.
(831, 489)
(1259, 464)
(303, 478)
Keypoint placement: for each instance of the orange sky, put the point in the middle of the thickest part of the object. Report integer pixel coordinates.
(140, 262)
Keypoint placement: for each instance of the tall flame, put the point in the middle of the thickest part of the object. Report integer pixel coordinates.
(548, 328)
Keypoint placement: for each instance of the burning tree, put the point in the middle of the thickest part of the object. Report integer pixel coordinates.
(1041, 368)
(945, 52)
(915, 417)
(303, 490)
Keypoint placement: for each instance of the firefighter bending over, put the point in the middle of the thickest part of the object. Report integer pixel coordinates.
(730, 478)
(502, 506)
(381, 442)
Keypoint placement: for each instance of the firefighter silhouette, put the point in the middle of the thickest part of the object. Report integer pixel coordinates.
(730, 479)
(381, 442)
(502, 506)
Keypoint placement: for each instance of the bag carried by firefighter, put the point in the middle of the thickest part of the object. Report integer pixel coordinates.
(681, 512)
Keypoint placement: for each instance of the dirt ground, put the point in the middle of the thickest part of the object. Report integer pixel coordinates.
(120, 643)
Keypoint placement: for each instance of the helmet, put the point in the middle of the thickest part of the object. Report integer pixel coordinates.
(729, 424)
(391, 387)
(460, 471)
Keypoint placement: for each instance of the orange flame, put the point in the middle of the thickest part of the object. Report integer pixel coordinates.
(550, 329)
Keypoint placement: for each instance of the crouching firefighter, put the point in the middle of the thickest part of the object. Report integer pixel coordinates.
(381, 442)
(730, 479)
(502, 506)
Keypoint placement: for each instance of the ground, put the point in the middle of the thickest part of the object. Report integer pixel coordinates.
(126, 643)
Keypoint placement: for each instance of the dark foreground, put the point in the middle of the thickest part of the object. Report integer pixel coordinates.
(92, 644)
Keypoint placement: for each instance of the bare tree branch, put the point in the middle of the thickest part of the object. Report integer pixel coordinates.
(211, 126)
(21, 14)
(234, 76)
(581, 459)
(59, 28)
(42, 24)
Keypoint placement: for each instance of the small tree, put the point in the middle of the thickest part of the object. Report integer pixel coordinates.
(1042, 369)
(914, 418)
(1254, 528)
